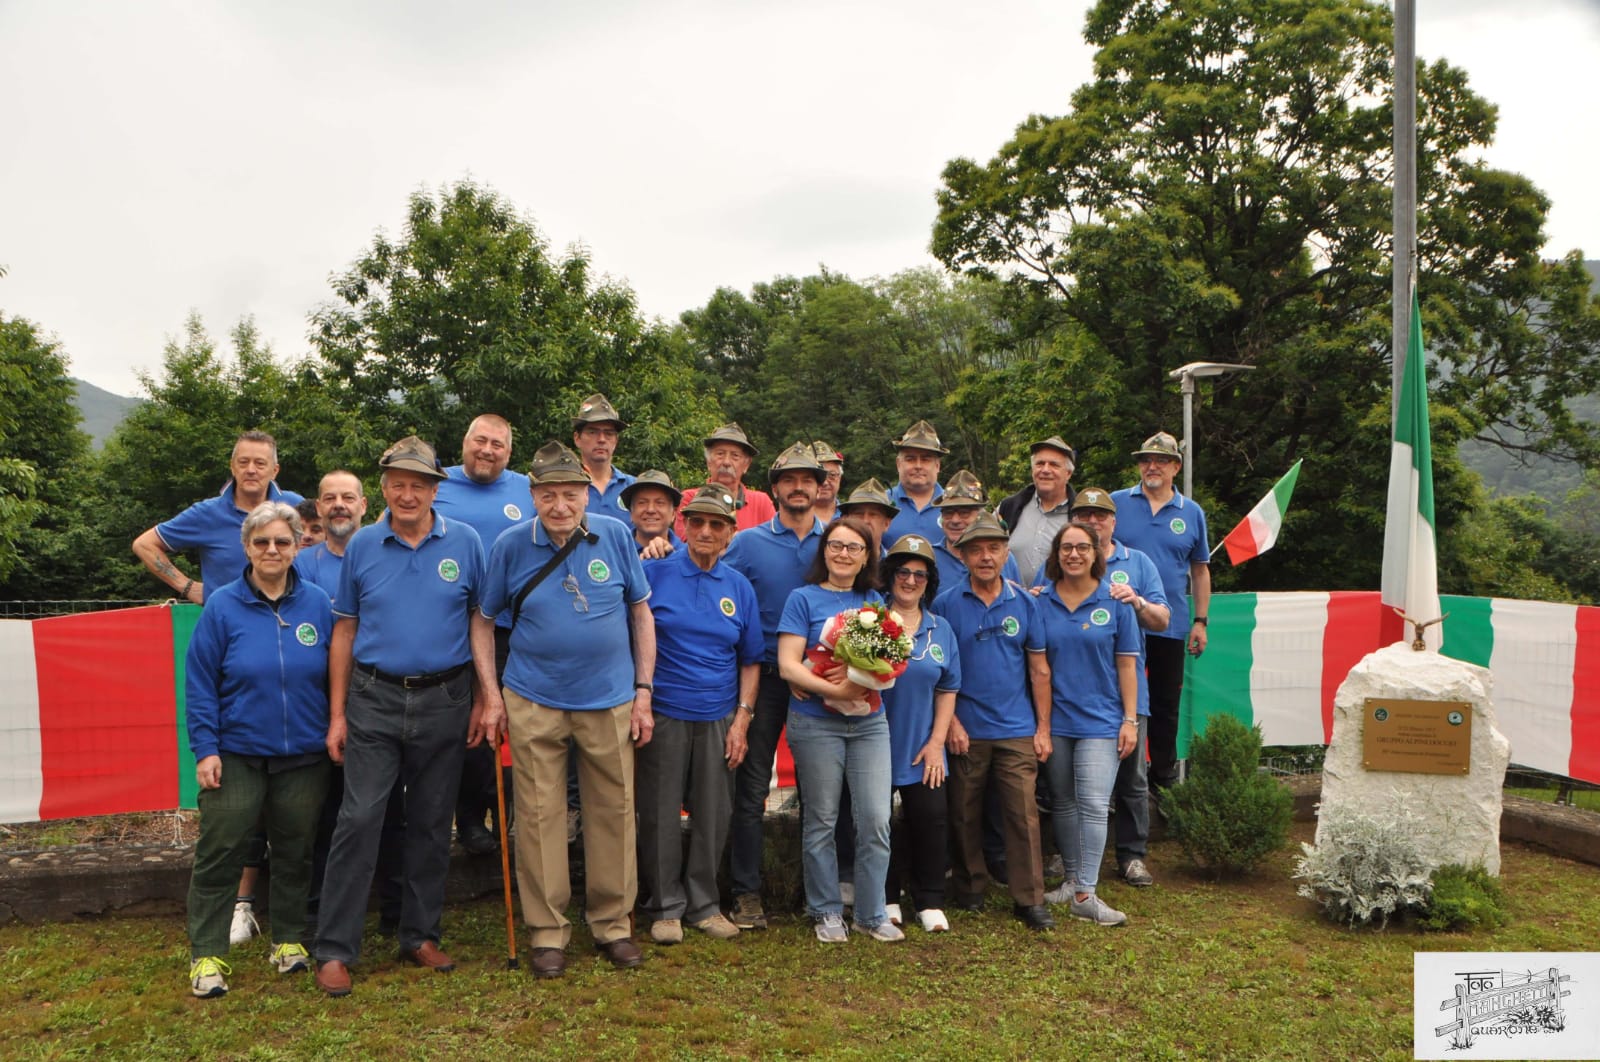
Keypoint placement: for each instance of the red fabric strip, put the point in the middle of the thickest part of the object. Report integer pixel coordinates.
(107, 713)
(1352, 632)
(1585, 760)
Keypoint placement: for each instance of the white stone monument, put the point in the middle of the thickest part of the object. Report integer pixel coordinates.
(1453, 818)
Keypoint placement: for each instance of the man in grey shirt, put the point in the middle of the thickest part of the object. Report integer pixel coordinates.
(1035, 513)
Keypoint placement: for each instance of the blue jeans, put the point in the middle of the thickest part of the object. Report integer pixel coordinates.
(1082, 771)
(827, 751)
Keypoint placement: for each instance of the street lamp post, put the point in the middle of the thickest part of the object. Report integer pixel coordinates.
(1186, 375)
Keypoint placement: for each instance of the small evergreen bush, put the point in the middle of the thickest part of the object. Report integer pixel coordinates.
(1228, 816)
(1365, 870)
(1464, 898)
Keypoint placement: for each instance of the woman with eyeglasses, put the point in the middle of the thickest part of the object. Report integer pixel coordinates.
(257, 713)
(830, 747)
(920, 706)
(1092, 643)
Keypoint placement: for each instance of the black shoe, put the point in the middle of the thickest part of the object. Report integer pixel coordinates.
(477, 840)
(971, 901)
(1034, 917)
(998, 871)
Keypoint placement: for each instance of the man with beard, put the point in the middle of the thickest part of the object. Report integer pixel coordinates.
(774, 557)
(341, 504)
(485, 494)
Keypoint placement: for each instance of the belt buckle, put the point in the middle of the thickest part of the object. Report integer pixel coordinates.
(407, 682)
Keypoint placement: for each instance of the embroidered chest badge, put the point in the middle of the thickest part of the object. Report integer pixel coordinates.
(449, 570)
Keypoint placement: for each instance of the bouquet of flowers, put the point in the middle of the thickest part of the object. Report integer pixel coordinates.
(872, 643)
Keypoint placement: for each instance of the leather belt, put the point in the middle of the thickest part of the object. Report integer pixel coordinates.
(414, 682)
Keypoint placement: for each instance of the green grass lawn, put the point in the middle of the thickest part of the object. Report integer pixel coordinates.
(1204, 970)
(1588, 799)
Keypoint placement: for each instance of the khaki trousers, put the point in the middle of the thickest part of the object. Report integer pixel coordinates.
(539, 736)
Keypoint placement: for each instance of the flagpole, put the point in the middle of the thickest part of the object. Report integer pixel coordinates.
(1405, 189)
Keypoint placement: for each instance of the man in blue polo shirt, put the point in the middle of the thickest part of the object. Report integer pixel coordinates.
(774, 556)
(652, 502)
(483, 492)
(708, 632)
(210, 528)
(1154, 518)
(341, 503)
(963, 499)
(410, 685)
(1002, 723)
(596, 430)
(583, 657)
(917, 455)
(1133, 578)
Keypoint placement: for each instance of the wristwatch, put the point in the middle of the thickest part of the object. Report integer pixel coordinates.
(748, 708)
(1201, 620)
(646, 686)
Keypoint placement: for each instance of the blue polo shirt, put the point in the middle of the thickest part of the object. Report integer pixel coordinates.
(562, 656)
(808, 608)
(320, 565)
(209, 531)
(1083, 644)
(414, 604)
(994, 640)
(489, 508)
(775, 560)
(1134, 568)
(914, 521)
(608, 502)
(935, 665)
(1173, 537)
(707, 625)
(672, 540)
(953, 570)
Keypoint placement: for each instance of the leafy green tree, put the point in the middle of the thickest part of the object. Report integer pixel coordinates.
(1220, 192)
(468, 311)
(42, 453)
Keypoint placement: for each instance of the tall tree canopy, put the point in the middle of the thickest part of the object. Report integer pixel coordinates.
(469, 312)
(1220, 192)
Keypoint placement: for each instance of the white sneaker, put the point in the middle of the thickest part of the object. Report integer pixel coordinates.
(1096, 910)
(205, 977)
(892, 912)
(933, 920)
(290, 958)
(847, 893)
(244, 924)
(1060, 894)
(886, 931)
(831, 929)
(666, 931)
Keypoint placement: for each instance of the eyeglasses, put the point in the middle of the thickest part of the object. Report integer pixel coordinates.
(281, 543)
(852, 549)
(1085, 548)
(835, 476)
(570, 585)
(911, 576)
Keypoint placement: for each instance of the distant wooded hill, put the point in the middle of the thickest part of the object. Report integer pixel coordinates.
(101, 410)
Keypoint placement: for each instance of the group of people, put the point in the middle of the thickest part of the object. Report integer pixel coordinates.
(640, 650)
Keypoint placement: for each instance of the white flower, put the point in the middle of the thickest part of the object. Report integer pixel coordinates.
(899, 619)
(867, 618)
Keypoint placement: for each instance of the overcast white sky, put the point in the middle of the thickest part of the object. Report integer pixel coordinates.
(158, 157)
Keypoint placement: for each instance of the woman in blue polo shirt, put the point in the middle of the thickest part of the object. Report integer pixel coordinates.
(257, 715)
(829, 747)
(1092, 642)
(920, 705)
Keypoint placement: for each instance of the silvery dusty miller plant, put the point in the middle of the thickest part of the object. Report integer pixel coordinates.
(1366, 869)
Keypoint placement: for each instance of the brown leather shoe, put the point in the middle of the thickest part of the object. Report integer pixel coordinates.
(428, 955)
(549, 962)
(624, 954)
(333, 977)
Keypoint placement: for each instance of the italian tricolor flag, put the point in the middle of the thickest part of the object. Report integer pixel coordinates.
(1410, 559)
(1278, 659)
(1258, 531)
(91, 714)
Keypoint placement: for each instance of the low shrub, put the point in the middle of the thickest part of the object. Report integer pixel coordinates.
(1228, 816)
(1466, 898)
(1364, 870)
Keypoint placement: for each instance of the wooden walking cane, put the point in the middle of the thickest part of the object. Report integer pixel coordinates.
(505, 859)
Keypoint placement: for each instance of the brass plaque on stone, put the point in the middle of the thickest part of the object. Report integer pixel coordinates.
(1419, 737)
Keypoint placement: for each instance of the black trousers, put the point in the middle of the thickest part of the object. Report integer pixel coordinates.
(1164, 668)
(919, 853)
